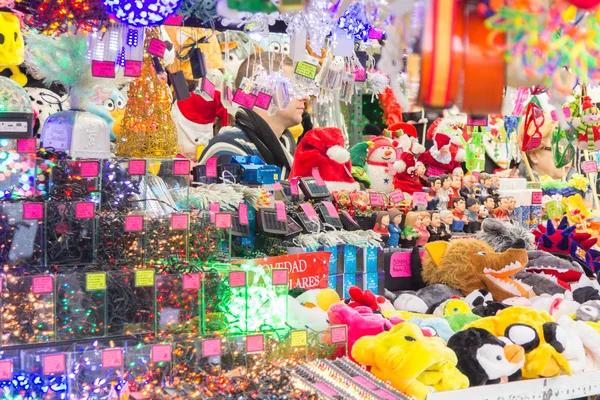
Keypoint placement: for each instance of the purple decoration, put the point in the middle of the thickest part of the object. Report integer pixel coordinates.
(354, 22)
(141, 12)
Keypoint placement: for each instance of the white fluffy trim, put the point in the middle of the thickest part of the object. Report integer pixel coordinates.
(417, 148)
(399, 166)
(337, 186)
(457, 171)
(456, 140)
(460, 155)
(338, 154)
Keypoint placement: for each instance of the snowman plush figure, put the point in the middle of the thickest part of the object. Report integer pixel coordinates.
(374, 163)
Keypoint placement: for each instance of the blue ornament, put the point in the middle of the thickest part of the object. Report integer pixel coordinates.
(141, 12)
(354, 22)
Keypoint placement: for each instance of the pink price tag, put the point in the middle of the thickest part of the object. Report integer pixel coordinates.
(420, 198)
(89, 169)
(134, 223)
(208, 87)
(255, 344)
(244, 99)
(397, 196)
(477, 121)
(223, 220)
(361, 380)
(536, 198)
(179, 222)
(42, 284)
(211, 167)
(6, 370)
(103, 69)
(213, 208)
(137, 167)
(112, 358)
(375, 33)
(360, 75)
(211, 347)
(350, 217)
(317, 176)
(243, 214)
(384, 394)
(237, 278)
(294, 186)
(133, 68)
(84, 210)
(566, 113)
(263, 100)
(54, 364)
(157, 48)
(331, 209)
(174, 20)
(400, 265)
(589, 167)
(277, 187)
(280, 208)
(280, 277)
(339, 334)
(181, 167)
(26, 145)
(161, 353)
(376, 199)
(309, 211)
(33, 211)
(191, 282)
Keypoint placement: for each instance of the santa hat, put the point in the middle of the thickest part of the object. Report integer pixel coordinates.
(194, 118)
(441, 140)
(377, 142)
(323, 148)
(396, 130)
(588, 107)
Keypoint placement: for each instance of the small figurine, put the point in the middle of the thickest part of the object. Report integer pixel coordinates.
(473, 212)
(409, 234)
(382, 223)
(458, 215)
(422, 226)
(455, 184)
(447, 219)
(437, 231)
(588, 126)
(468, 188)
(488, 206)
(438, 158)
(443, 193)
(485, 183)
(502, 211)
(435, 184)
(395, 226)
(512, 204)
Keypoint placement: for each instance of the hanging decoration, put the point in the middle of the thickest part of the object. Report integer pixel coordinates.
(141, 13)
(203, 10)
(354, 22)
(56, 17)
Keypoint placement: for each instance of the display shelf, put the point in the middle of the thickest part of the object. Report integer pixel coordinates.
(559, 388)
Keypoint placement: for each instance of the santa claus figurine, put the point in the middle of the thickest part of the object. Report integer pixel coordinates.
(323, 148)
(406, 178)
(438, 160)
(454, 129)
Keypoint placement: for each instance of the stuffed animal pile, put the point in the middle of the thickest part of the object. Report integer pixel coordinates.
(500, 308)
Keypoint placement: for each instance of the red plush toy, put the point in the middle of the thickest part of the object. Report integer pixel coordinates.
(358, 298)
(323, 148)
(406, 178)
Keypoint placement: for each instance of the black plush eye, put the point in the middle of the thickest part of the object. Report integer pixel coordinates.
(410, 339)
(16, 36)
(499, 358)
(523, 335)
(1, 38)
(556, 336)
(120, 104)
(109, 104)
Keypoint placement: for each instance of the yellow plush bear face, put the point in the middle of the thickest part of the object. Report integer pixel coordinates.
(11, 40)
(412, 362)
(542, 338)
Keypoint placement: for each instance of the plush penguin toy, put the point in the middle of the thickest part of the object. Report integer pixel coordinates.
(485, 359)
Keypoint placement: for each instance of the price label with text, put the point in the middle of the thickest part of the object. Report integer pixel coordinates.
(103, 69)
(244, 99)
(6, 370)
(133, 68)
(33, 211)
(211, 167)
(112, 358)
(95, 281)
(89, 169)
(42, 284)
(211, 347)
(589, 167)
(134, 223)
(181, 167)
(144, 278)
(317, 176)
(397, 196)
(255, 344)
(298, 338)
(161, 353)
(180, 222)
(191, 282)
(223, 220)
(26, 146)
(157, 47)
(280, 277)
(339, 334)
(376, 199)
(280, 209)
(237, 278)
(85, 210)
(54, 364)
(243, 213)
(137, 167)
(420, 198)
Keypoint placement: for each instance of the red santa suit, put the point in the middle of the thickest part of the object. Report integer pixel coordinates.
(406, 178)
(436, 163)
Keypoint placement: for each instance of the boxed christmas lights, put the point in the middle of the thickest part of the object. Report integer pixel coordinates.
(22, 234)
(178, 304)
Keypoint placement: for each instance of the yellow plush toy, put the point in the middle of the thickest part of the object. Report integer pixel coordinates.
(542, 338)
(12, 48)
(410, 361)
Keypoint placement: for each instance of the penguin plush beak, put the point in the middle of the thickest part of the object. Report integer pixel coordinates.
(514, 353)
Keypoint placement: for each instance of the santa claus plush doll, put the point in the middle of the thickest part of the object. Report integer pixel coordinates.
(194, 118)
(323, 148)
(406, 178)
(439, 160)
(453, 129)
